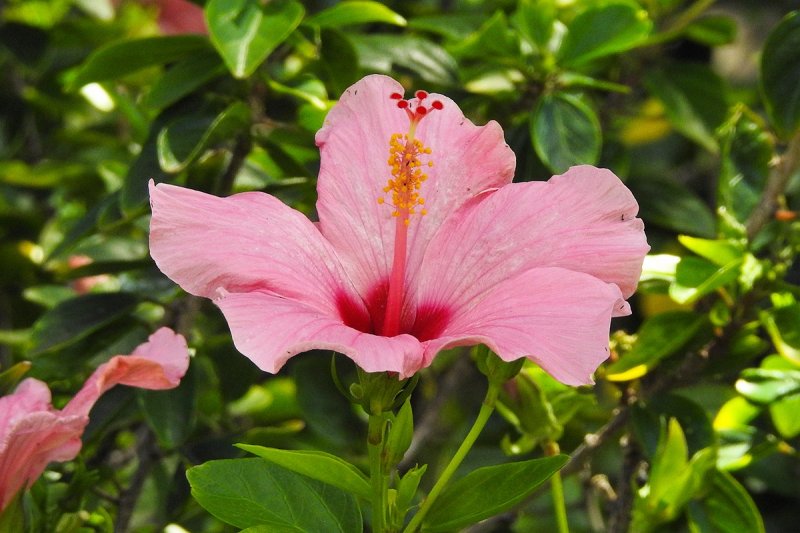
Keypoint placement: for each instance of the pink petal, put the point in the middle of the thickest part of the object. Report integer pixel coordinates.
(354, 147)
(558, 318)
(269, 329)
(158, 364)
(582, 221)
(33, 441)
(249, 241)
(33, 434)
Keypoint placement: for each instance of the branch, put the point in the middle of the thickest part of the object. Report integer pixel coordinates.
(786, 166)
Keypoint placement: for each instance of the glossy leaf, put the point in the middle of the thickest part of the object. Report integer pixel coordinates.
(694, 98)
(660, 336)
(183, 78)
(720, 252)
(781, 324)
(317, 465)
(488, 491)
(603, 30)
(765, 386)
(245, 32)
(695, 278)
(184, 140)
(780, 73)
(355, 12)
(747, 151)
(383, 52)
(535, 21)
(565, 132)
(125, 57)
(72, 320)
(670, 204)
(171, 413)
(725, 508)
(253, 492)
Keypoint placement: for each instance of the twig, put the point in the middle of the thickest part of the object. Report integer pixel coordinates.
(777, 180)
(147, 454)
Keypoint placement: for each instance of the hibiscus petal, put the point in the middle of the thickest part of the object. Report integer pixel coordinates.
(158, 364)
(583, 220)
(269, 329)
(244, 242)
(558, 318)
(354, 147)
(33, 441)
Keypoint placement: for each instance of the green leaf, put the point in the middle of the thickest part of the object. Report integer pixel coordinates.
(784, 410)
(355, 12)
(718, 251)
(565, 132)
(660, 336)
(535, 21)
(747, 150)
(125, 57)
(407, 486)
(670, 204)
(712, 30)
(694, 99)
(183, 78)
(494, 39)
(695, 278)
(317, 465)
(73, 320)
(337, 58)
(400, 435)
(384, 53)
(765, 386)
(603, 30)
(171, 413)
(726, 508)
(780, 74)
(253, 492)
(184, 139)
(781, 324)
(488, 491)
(245, 32)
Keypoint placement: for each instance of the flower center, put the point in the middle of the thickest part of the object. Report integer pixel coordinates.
(406, 169)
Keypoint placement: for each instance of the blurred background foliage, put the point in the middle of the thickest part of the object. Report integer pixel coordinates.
(693, 423)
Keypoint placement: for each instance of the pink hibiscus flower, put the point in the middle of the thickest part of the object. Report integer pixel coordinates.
(423, 243)
(33, 433)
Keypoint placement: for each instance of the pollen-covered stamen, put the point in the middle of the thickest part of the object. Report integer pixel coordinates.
(407, 176)
(406, 168)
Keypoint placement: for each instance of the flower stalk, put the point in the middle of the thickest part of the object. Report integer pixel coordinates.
(487, 408)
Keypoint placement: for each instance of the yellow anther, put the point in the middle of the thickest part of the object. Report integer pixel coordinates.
(406, 175)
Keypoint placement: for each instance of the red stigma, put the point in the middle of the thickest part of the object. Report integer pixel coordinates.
(421, 95)
(437, 104)
(396, 96)
(421, 110)
(402, 104)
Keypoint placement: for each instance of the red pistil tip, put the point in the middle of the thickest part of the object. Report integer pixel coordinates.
(421, 110)
(421, 95)
(436, 104)
(396, 96)
(402, 104)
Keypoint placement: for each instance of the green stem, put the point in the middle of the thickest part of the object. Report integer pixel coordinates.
(379, 481)
(487, 408)
(557, 489)
(692, 13)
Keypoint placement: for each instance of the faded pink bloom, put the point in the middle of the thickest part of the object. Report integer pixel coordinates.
(176, 17)
(409, 259)
(33, 433)
(86, 283)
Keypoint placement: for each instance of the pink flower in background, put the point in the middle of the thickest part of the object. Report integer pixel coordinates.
(423, 243)
(33, 433)
(180, 16)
